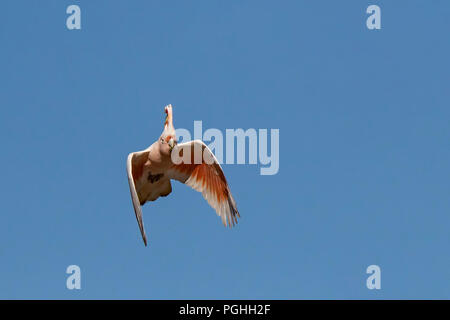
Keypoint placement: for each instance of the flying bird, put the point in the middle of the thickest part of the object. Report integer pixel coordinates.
(192, 163)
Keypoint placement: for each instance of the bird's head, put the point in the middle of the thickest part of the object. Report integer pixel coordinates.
(168, 139)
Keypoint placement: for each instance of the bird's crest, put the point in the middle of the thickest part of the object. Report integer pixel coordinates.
(168, 111)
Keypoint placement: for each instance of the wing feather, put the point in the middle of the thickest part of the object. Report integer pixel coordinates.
(207, 178)
(134, 173)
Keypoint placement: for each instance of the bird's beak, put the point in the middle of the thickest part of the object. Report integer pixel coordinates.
(171, 144)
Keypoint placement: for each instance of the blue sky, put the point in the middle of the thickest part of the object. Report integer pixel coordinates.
(364, 154)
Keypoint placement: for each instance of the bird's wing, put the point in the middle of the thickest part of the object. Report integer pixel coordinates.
(135, 163)
(206, 176)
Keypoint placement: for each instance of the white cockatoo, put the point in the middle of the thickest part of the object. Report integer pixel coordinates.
(192, 163)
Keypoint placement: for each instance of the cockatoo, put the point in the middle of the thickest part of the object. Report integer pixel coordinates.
(192, 163)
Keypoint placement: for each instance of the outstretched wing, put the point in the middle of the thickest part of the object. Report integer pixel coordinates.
(135, 163)
(201, 171)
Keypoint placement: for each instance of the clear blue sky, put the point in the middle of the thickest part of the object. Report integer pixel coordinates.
(364, 148)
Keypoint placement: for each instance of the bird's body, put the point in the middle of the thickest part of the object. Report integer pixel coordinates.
(151, 166)
(150, 171)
